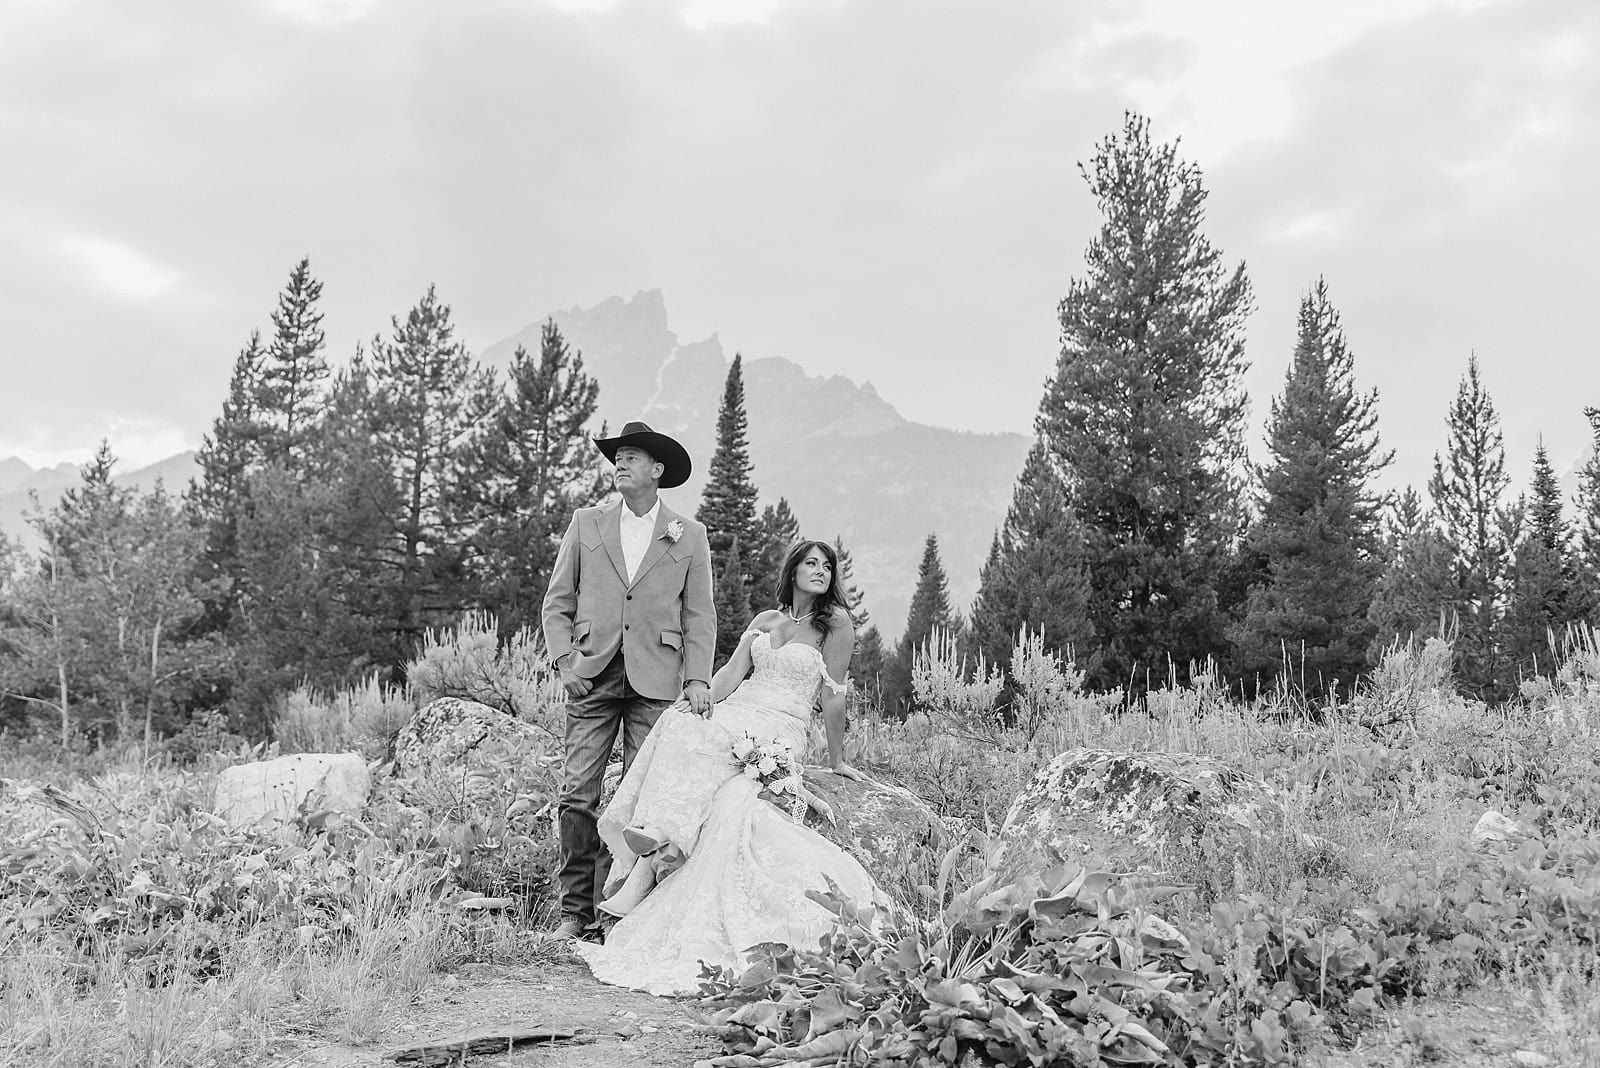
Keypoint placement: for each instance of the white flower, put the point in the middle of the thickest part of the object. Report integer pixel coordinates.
(675, 530)
(752, 772)
(743, 747)
(768, 765)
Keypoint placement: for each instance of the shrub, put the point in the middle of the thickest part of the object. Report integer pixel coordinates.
(469, 661)
(363, 718)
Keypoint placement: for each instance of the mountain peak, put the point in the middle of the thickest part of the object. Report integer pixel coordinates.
(849, 464)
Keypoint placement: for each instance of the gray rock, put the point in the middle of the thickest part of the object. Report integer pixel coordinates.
(269, 794)
(484, 784)
(1495, 831)
(888, 829)
(1181, 815)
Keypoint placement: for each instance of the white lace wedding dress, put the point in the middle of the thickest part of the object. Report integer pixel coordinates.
(749, 864)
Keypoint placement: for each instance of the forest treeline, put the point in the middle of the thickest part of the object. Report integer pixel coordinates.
(340, 514)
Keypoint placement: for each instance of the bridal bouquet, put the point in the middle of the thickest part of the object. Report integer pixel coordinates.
(773, 766)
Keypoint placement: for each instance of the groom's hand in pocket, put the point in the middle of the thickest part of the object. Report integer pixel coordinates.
(571, 681)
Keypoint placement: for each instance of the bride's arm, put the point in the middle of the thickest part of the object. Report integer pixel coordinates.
(731, 674)
(836, 650)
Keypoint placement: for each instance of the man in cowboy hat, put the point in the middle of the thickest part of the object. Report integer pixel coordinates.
(628, 622)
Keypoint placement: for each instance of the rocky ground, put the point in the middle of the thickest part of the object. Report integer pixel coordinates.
(615, 1027)
(1504, 1028)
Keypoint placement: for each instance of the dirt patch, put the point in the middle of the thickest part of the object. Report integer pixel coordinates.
(633, 1029)
(1500, 1027)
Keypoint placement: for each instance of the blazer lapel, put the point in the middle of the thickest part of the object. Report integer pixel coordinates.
(658, 543)
(611, 537)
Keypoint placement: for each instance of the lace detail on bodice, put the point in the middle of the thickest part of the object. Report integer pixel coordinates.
(795, 674)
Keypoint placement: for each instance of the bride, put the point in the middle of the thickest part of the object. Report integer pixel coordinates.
(733, 869)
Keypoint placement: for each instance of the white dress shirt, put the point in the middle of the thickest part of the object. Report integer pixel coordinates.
(637, 533)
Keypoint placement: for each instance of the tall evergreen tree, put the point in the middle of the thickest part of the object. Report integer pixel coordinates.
(1145, 413)
(532, 466)
(728, 503)
(294, 378)
(778, 530)
(1415, 596)
(1587, 547)
(1318, 530)
(1034, 576)
(228, 456)
(930, 610)
(428, 395)
(1542, 594)
(1468, 489)
(860, 618)
(731, 599)
(867, 661)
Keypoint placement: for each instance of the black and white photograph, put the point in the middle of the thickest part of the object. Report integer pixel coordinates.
(778, 533)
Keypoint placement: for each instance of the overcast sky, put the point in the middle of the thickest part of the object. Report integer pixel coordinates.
(886, 189)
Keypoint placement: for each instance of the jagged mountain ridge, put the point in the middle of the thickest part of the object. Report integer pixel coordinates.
(846, 460)
(18, 480)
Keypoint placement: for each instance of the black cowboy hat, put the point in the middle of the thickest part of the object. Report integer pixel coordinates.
(674, 458)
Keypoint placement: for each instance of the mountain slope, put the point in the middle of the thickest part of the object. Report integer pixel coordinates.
(51, 482)
(847, 461)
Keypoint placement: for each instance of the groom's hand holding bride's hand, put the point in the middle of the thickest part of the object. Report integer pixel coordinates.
(698, 696)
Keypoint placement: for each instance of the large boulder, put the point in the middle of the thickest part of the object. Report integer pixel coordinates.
(484, 784)
(1178, 815)
(887, 828)
(269, 794)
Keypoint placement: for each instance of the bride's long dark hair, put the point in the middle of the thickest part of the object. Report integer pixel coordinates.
(822, 609)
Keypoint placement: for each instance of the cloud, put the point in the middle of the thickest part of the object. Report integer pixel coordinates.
(1457, 161)
(120, 269)
(886, 189)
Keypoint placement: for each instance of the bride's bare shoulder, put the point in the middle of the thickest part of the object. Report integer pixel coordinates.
(765, 620)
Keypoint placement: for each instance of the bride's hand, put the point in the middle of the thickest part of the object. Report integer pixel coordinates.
(848, 772)
(822, 808)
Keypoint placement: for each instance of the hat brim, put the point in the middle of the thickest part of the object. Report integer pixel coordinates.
(674, 458)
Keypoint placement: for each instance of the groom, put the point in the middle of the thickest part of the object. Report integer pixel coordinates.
(629, 624)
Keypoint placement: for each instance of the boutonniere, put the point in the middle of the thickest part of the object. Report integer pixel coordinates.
(674, 531)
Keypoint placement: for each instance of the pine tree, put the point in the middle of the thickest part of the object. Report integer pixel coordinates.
(1587, 548)
(731, 599)
(867, 661)
(1468, 489)
(1542, 595)
(930, 610)
(523, 477)
(1415, 596)
(868, 665)
(1145, 414)
(1034, 576)
(860, 618)
(778, 531)
(295, 375)
(728, 503)
(1318, 530)
(228, 456)
(428, 395)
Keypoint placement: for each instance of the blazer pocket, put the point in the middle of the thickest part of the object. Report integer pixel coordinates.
(673, 638)
(580, 630)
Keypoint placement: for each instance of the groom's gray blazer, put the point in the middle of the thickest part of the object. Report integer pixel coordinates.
(663, 622)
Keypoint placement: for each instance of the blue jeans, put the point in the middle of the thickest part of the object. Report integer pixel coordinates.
(592, 724)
